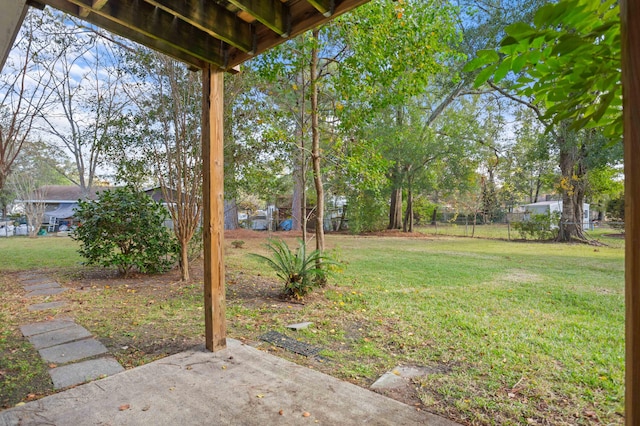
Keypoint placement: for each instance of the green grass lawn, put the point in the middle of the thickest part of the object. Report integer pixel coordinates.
(515, 333)
(23, 253)
(522, 332)
(603, 234)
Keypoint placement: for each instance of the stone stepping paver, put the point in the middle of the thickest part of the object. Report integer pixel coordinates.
(299, 326)
(60, 336)
(47, 305)
(33, 279)
(47, 291)
(45, 326)
(400, 376)
(74, 351)
(81, 372)
(62, 341)
(42, 286)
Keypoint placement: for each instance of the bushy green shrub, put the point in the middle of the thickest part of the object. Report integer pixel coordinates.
(615, 212)
(367, 211)
(298, 270)
(124, 228)
(539, 226)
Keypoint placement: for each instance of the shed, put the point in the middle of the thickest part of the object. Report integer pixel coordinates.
(544, 207)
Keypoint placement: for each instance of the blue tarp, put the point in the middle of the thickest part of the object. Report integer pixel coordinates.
(286, 225)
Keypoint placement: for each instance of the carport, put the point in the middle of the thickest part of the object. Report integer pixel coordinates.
(217, 35)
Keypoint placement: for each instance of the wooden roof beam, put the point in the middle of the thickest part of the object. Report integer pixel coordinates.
(213, 19)
(325, 7)
(307, 18)
(127, 32)
(97, 5)
(152, 22)
(272, 13)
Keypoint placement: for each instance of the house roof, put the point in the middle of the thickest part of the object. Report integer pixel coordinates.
(221, 33)
(65, 194)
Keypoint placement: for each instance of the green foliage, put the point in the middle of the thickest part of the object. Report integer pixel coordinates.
(367, 211)
(299, 270)
(237, 244)
(539, 226)
(423, 210)
(124, 228)
(395, 49)
(569, 61)
(195, 247)
(615, 211)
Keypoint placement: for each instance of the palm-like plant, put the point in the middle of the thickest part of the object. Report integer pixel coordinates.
(299, 270)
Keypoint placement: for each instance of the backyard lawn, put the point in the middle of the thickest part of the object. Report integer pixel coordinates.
(512, 332)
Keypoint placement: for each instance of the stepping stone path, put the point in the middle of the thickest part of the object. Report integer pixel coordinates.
(74, 355)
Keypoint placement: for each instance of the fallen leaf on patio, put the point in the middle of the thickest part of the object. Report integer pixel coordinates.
(124, 407)
(281, 412)
(306, 414)
(259, 395)
(52, 365)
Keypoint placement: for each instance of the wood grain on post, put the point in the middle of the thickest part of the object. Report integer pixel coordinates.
(213, 208)
(630, 15)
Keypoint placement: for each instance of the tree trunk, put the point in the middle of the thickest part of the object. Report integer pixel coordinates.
(184, 260)
(572, 183)
(395, 209)
(315, 149)
(296, 202)
(407, 225)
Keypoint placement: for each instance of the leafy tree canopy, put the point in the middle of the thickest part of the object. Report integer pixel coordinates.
(568, 61)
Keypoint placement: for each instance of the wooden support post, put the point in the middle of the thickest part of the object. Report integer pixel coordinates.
(13, 13)
(630, 15)
(213, 199)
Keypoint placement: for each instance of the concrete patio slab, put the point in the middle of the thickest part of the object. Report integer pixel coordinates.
(81, 372)
(34, 287)
(74, 351)
(236, 386)
(45, 326)
(46, 291)
(45, 306)
(58, 337)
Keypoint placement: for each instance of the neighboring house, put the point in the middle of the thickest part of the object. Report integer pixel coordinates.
(60, 203)
(544, 207)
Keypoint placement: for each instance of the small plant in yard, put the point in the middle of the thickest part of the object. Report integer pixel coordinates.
(298, 270)
(539, 226)
(125, 228)
(237, 244)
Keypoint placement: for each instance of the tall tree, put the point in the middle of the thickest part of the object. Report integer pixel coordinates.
(24, 92)
(566, 68)
(87, 93)
(164, 137)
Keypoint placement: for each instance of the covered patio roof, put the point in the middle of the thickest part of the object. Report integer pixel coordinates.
(223, 33)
